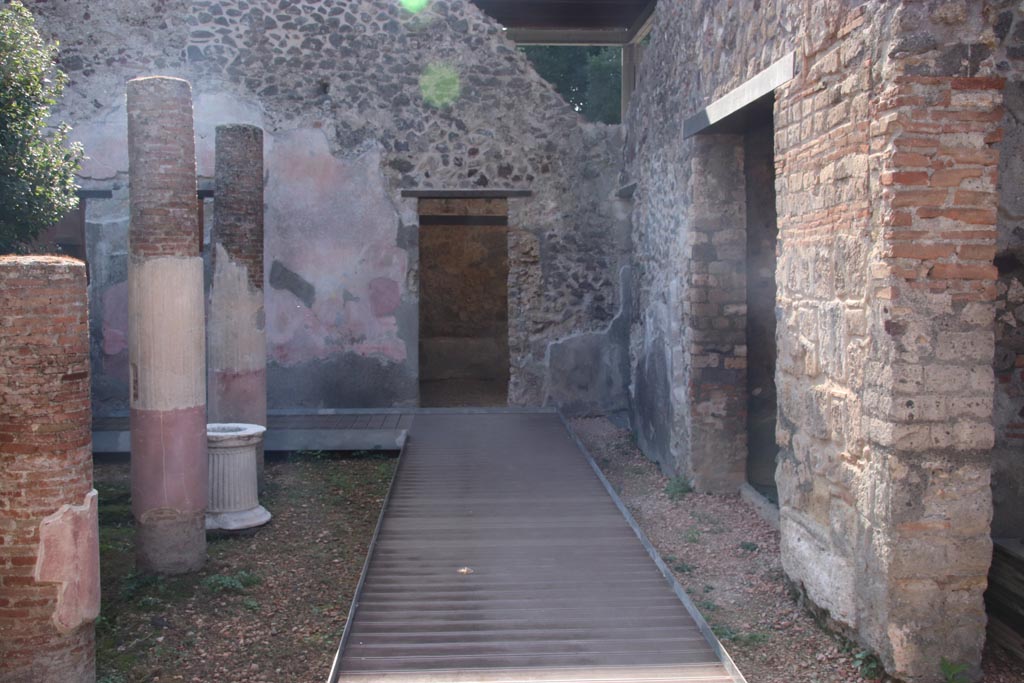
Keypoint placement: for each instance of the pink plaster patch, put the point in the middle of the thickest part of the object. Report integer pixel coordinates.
(169, 467)
(69, 554)
(385, 296)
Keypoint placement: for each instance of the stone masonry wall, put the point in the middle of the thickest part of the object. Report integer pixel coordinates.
(885, 188)
(1008, 455)
(49, 533)
(346, 94)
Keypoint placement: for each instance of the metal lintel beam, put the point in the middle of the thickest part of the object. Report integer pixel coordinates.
(553, 36)
(732, 102)
(466, 194)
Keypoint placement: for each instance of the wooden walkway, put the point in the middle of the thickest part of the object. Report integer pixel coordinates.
(502, 557)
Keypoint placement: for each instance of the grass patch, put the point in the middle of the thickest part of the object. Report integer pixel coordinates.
(692, 535)
(678, 565)
(726, 632)
(677, 488)
(226, 583)
(868, 664)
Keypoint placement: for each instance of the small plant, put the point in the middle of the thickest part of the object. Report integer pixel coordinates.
(723, 632)
(134, 584)
(707, 606)
(692, 535)
(223, 583)
(677, 487)
(250, 604)
(868, 665)
(678, 565)
(749, 546)
(149, 602)
(953, 672)
(752, 638)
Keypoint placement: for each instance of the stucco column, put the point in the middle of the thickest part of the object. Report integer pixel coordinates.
(49, 538)
(237, 338)
(166, 334)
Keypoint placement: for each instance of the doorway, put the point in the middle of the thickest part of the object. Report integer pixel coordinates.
(463, 352)
(762, 235)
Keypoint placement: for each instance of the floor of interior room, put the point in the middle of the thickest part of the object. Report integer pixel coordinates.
(464, 392)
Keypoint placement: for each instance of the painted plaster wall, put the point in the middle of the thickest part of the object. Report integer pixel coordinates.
(337, 89)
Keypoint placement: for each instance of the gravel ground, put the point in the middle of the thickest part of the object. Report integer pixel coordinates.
(269, 606)
(727, 558)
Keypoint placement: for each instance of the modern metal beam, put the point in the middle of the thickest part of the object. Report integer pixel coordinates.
(466, 194)
(733, 102)
(557, 36)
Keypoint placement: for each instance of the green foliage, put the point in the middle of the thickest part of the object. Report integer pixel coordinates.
(588, 77)
(868, 664)
(749, 546)
(692, 535)
(707, 605)
(726, 632)
(953, 672)
(678, 565)
(224, 583)
(677, 487)
(37, 173)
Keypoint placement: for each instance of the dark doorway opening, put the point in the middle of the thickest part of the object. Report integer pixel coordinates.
(762, 235)
(464, 355)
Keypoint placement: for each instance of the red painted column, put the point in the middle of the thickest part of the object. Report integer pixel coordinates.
(237, 337)
(49, 537)
(166, 331)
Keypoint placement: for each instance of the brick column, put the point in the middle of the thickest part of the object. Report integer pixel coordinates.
(930, 386)
(166, 335)
(715, 316)
(49, 538)
(238, 345)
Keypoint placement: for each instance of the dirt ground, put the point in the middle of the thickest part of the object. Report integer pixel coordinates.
(727, 559)
(269, 606)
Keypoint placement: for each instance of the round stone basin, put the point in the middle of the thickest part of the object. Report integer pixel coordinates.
(233, 502)
(229, 434)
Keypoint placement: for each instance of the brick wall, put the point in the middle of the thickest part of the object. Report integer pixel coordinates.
(163, 194)
(886, 178)
(238, 208)
(1007, 462)
(46, 632)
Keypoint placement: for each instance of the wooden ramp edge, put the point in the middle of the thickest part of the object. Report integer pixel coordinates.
(503, 555)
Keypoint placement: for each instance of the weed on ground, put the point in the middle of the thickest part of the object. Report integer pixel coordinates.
(270, 604)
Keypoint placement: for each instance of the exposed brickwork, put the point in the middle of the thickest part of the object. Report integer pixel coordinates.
(167, 332)
(238, 204)
(161, 157)
(45, 458)
(714, 315)
(1008, 455)
(886, 173)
